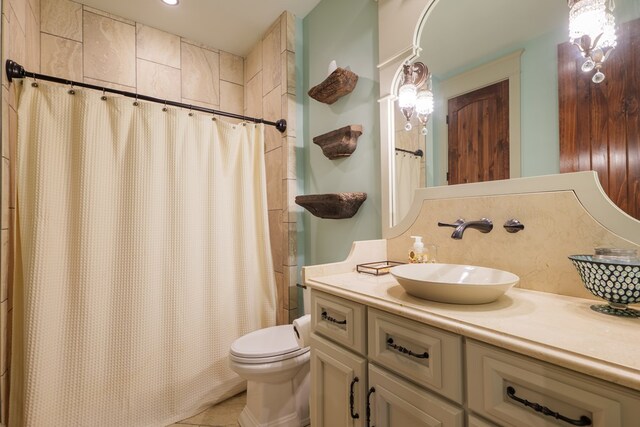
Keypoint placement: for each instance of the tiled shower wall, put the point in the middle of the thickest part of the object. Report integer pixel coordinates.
(69, 40)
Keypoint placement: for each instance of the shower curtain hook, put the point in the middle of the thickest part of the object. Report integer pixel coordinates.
(190, 113)
(71, 90)
(103, 97)
(165, 106)
(34, 83)
(136, 103)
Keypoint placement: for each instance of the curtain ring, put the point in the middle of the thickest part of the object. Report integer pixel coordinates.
(190, 113)
(34, 83)
(165, 109)
(136, 103)
(103, 97)
(71, 91)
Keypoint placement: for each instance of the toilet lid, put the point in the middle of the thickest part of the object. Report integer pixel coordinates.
(273, 341)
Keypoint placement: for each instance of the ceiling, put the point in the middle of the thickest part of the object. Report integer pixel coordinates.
(230, 25)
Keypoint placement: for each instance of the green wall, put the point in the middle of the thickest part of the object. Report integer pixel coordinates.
(347, 32)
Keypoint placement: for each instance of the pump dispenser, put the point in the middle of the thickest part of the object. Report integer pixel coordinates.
(417, 255)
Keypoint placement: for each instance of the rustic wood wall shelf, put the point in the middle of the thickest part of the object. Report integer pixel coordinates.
(338, 84)
(340, 142)
(332, 205)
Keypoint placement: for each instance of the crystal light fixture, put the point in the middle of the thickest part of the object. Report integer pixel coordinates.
(592, 28)
(412, 98)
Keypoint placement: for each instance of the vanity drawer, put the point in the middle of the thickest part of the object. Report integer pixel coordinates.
(340, 320)
(427, 356)
(473, 421)
(514, 390)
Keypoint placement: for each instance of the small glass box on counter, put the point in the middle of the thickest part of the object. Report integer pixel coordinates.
(378, 268)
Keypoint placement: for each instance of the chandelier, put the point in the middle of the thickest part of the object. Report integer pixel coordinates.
(414, 94)
(592, 29)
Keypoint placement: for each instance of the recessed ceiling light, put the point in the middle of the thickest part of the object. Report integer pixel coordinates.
(170, 2)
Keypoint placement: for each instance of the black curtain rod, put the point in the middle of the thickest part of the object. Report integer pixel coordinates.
(418, 152)
(17, 71)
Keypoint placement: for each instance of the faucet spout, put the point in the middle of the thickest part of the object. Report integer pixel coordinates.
(484, 225)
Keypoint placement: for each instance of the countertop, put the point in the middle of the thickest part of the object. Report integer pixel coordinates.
(557, 329)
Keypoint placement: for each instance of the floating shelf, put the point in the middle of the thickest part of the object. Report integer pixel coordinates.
(340, 142)
(332, 205)
(338, 84)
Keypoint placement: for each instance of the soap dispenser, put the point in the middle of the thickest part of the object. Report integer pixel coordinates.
(416, 254)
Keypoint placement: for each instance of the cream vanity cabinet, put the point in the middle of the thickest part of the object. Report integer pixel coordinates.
(358, 385)
(373, 368)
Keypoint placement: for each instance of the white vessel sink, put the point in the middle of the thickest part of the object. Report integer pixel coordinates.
(453, 283)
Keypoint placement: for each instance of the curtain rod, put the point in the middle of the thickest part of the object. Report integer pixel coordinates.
(418, 152)
(17, 71)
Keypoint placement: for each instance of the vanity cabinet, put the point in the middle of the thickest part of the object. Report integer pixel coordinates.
(371, 367)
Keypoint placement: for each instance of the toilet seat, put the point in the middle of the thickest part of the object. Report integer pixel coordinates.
(266, 345)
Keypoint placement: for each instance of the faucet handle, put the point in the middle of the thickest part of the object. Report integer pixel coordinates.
(513, 225)
(456, 224)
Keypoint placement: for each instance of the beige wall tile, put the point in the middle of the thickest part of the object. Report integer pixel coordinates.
(290, 278)
(253, 96)
(108, 15)
(62, 18)
(4, 394)
(5, 45)
(288, 75)
(109, 49)
(288, 109)
(231, 68)
(4, 264)
(5, 122)
(288, 32)
(200, 45)
(273, 164)
(271, 110)
(6, 193)
(253, 63)
(35, 9)
(293, 314)
(4, 310)
(32, 58)
(110, 85)
(231, 97)
(271, 60)
(275, 235)
(17, 39)
(200, 74)
(158, 80)
(13, 131)
(281, 296)
(290, 238)
(61, 57)
(289, 157)
(281, 316)
(19, 8)
(157, 46)
(200, 103)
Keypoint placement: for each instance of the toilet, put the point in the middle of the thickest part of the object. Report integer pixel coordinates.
(277, 371)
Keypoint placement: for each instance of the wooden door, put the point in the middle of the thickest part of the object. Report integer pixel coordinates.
(335, 374)
(479, 135)
(600, 123)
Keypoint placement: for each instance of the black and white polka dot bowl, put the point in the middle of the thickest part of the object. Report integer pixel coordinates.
(617, 282)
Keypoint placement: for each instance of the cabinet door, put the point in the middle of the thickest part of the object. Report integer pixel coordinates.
(339, 385)
(394, 402)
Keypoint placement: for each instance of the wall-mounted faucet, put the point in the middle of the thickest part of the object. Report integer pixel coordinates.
(484, 226)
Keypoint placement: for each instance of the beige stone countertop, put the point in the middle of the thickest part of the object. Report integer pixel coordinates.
(553, 328)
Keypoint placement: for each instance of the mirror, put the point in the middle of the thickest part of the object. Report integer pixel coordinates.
(471, 44)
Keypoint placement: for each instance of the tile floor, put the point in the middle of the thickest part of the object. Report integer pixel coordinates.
(224, 414)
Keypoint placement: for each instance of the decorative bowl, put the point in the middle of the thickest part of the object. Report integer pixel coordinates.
(617, 282)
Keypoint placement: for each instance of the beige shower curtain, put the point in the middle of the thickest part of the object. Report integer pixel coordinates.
(407, 172)
(143, 253)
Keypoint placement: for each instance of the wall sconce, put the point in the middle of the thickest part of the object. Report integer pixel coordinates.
(592, 28)
(412, 98)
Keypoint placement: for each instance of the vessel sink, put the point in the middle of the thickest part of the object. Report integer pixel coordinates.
(454, 283)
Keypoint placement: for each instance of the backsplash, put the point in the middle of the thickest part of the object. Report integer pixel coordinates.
(556, 225)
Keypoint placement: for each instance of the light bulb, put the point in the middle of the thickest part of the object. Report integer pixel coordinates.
(588, 65)
(594, 19)
(424, 102)
(407, 95)
(598, 77)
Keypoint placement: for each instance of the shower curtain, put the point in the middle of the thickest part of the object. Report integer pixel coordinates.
(407, 180)
(143, 252)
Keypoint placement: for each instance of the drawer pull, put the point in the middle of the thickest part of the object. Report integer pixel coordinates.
(328, 318)
(405, 350)
(352, 399)
(371, 391)
(583, 421)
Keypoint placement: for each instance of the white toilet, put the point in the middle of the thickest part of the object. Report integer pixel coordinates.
(278, 375)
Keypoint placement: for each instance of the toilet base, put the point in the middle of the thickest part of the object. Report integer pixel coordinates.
(283, 404)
